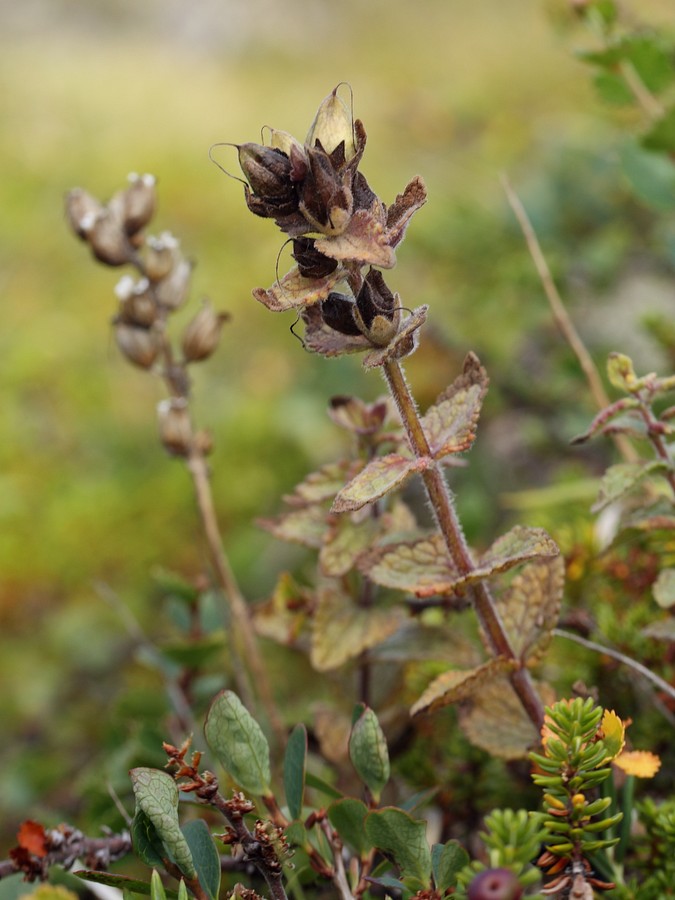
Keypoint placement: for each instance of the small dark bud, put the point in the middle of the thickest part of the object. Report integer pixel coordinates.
(172, 291)
(137, 303)
(107, 240)
(175, 427)
(141, 346)
(495, 884)
(82, 210)
(337, 311)
(202, 334)
(311, 263)
(267, 170)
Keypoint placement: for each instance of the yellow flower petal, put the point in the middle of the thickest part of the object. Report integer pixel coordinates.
(641, 763)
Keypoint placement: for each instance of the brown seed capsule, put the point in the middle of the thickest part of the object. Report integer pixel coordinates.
(311, 263)
(267, 170)
(108, 241)
(377, 307)
(333, 126)
(82, 209)
(172, 291)
(325, 198)
(337, 311)
(139, 202)
(202, 334)
(161, 254)
(137, 302)
(141, 346)
(175, 427)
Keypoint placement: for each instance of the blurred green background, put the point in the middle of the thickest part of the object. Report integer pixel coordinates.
(89, 503)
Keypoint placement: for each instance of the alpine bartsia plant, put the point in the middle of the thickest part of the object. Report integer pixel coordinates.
(344, 237)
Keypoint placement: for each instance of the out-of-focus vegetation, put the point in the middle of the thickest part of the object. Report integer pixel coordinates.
(90, 505)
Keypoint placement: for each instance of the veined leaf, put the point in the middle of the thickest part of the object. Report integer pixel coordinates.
(368, 752)
(618, 480)
(447, 861)
(157, 796)
(239, 743)
(323, 484)
(345, 542)
(294, 291)
(397, 834)
(306, 526)
(341, 630)
(347, 816)
(459, 684)
(379, 477)
(450, 424)
(420, 567)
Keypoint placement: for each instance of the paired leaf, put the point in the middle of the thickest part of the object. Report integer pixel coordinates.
(420, 567)
(403, 838)
(323, 484)
(306, 526)
(622, 478)
(347, 816)
(157, 797)
(450, 424)
(345, 543)
(239, 743)
(204, 855)
(342, 631)
(295, 762)
(459, 684)
(368, 752)
(379, 477)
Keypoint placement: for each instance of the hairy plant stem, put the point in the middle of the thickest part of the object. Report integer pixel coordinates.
(241, 618)
(448, 522)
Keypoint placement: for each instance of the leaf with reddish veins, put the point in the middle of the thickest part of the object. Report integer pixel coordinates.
(459, 684)
(342, 631)
(517, 546)
(33, 838)
(344, 543)
(306, 526)
(450, 424)
(294, 291)
(364, 241)
(419, 567)
(378, 477)
(403, 208)
(529, 607)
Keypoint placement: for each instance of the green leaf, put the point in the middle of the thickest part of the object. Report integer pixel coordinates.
(421, 567)
(194, 651)
(204, 855)
(147, 843)
(379, 477)
(157, 796)
(121, 882)
(295, 761)
(447, 860)
(618, 480)
(342, 631)
(368, 752)
(182, 890)
(344, 543)
(239, 743)
(306, 526)
(347, 816)
(621, 372)
(651, 175)
(664, 588)
(156, 887)
(661, 136)
(323, 484)
(450, 424)
(400, 836)
(313, 781)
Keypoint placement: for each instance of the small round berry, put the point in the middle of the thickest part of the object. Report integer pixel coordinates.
(495, 884)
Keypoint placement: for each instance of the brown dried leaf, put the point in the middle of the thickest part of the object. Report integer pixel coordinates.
(294, 291)
(306, 526)
(450, 424)
(344, 543)
(530, 606)
(420, 567)
(460, 684)
(324, 483)
(364, 241)
(494, 720)
(342, 631)
(380, 475)
(403, 208)
(402, 344)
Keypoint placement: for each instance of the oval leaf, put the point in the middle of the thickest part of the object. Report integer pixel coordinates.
(204, 855)
(347, 817)
(368, 752)
(379, 477)
(295, 762)
(239, 743)
(447, 860)
(459, 684)
(450, 424)
(157, 796)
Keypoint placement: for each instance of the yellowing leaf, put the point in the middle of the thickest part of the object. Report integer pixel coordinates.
(344, 543)
(620, 371)
(613, 734)
(294, 291)
(376, 479)
(420, 567)
(342, 631)
(494, 720)
(530, 605)
(450, 424)
(456, 685)
(640, 763)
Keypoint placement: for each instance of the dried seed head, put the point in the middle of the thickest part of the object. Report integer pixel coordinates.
(107, 239)
(377, 307)
(326, 199)
(202, 334)
(141, 346)
(137, 302)
(267, 170)
(175, 427)
(337, 311)
(162, 253)
(139, 202)
(311, 263)
(82, 210)
(172, 290)
(333, 126)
